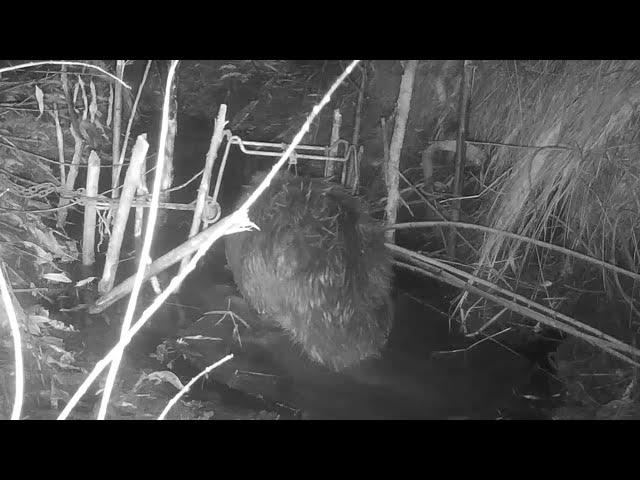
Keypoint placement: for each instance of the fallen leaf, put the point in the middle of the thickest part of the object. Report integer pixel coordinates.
(165, 376)
(201, 337)
(32, 325)
(84, 281)
(57, 277)
(231, 75)
(40, 99)
(42, 256)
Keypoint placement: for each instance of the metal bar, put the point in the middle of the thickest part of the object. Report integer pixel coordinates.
(282, 146)
(102, 203)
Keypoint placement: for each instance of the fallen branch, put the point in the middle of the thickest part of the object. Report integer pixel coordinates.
(432, 262)
(446, 273)
(539, 243)
(159, 265)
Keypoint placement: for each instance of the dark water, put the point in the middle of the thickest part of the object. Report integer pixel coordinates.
(420, 375)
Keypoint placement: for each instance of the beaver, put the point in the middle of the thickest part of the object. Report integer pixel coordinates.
(318, 268)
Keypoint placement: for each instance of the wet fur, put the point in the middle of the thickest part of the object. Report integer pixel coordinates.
(318, 267)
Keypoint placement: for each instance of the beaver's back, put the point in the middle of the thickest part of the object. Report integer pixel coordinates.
(318, 267)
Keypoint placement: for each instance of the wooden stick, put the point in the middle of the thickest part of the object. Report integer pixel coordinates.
(93, 106)
(117, 125)
(440, 268)
(346, 166)
(357, 161)
(329, 165)
(159, 265)
(349, 171)
(533, 241)
(395, 149)
(141, 190)
(71, 177)
(385, 149)
(132, 115)
(89, 235)
(447, 277)
(167, 172)
(205, 182)
(139, 219)
(458, 179)
(77, 152)
(131, 181)
(85, 102)
(110, 106)
(60, 138)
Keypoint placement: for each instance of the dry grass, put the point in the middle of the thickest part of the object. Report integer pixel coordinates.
(577, 183)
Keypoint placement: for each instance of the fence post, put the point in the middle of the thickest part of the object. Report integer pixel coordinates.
(131, 182)
(89, 233)
(329, 165)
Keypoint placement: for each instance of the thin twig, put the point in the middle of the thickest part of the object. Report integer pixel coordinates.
(188, 386)
(555, 319)
(82, 64)
(127, 133)
(539, 243)
(527, 312)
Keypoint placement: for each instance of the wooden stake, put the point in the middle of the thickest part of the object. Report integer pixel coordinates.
(460, 157)
(131, 182)
(141, 190)
(203, 190)
(71, 177)
(357, 161)
(60, 138)
(329, 165)
(385, 148)
(167, 173)
(349, 170)
(77, 152)
(89, 235)
(117, 125)
(132, 115)
(395, 149)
